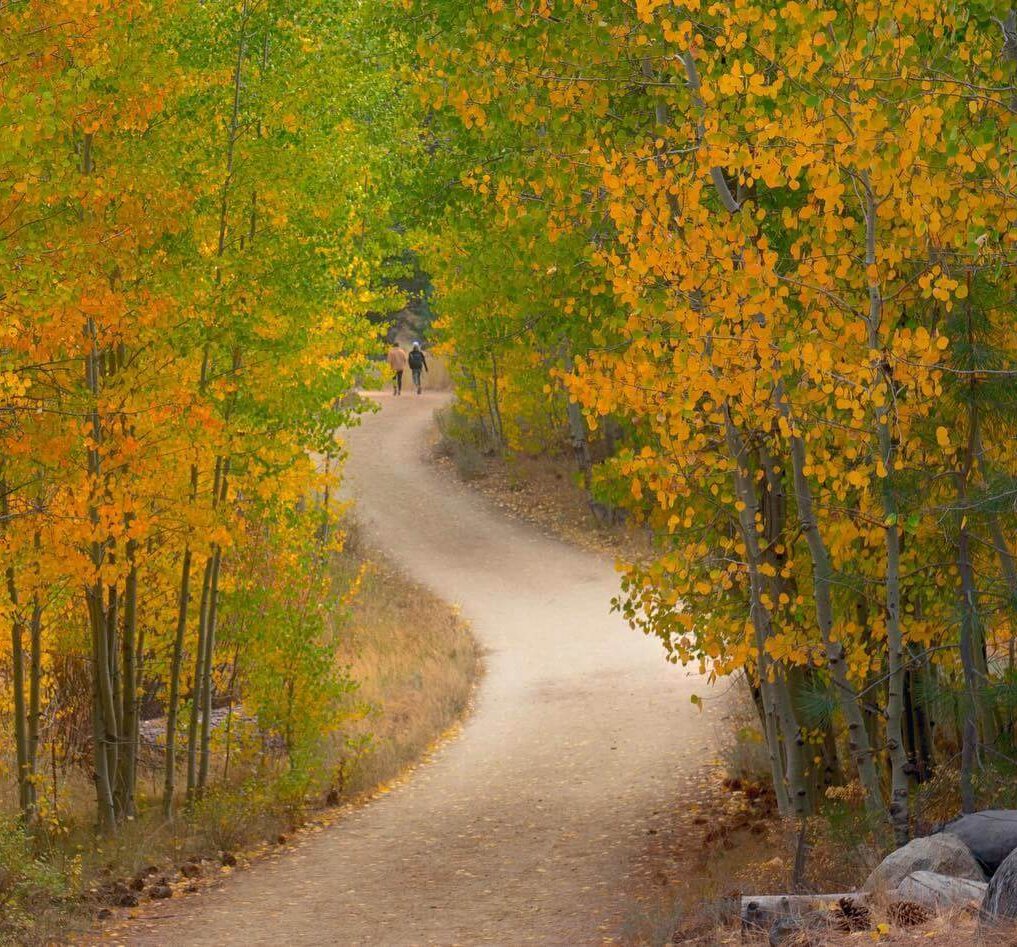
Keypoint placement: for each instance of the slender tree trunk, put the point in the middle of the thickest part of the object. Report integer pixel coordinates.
(822, 581)
(496, 402)
(114, 745)
(127, 757)
(220, 493)
(969, 618)
(832, 774)
(102, 712)
(580, 440)
(495, 437)
(34, 700)
(24, 755)
(234, 671)
(196, 689)
(910, 725)
(326, 505)
(105, 714)
(135, 733)
(579, 434)
(772, 504)
(20, 708)
(102, 616)
(924, 724)
(207, 679)
(793, 743)
(895, 708)
(790, 786)
(211, 620)
(772, 727)
(900, 783)
(173, 701)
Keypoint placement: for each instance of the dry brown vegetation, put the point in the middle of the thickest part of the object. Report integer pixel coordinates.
(544, 491)
(416, 663)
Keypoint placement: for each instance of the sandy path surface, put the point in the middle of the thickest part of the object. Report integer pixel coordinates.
(527, 828)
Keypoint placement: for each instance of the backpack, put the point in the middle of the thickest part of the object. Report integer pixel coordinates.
(416, 359)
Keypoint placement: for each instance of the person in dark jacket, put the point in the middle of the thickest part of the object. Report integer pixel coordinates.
(418, 365)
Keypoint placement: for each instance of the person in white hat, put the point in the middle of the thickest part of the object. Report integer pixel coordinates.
(418, 365)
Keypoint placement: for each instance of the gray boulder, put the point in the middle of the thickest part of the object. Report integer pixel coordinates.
(943, 854)
(1001, 897)
(940, 892)
(990, 835)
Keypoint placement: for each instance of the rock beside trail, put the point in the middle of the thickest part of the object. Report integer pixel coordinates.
(990, 835)
(943, 854)
(1000, 901)
(940, 892)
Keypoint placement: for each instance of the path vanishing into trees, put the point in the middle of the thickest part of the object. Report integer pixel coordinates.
(529, 826)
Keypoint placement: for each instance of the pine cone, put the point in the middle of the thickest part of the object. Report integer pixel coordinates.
(907, 914)
(850, 917)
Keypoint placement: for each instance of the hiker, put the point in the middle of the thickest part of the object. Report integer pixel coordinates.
(397, 362)
(418, 364)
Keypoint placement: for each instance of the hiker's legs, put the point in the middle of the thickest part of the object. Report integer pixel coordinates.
(397, 383)
(416, 379)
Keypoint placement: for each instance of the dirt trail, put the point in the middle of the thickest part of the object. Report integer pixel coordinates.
(526, 828)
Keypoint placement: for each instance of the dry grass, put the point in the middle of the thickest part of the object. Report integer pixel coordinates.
(417, 664)
(949, 929)
(437, 378)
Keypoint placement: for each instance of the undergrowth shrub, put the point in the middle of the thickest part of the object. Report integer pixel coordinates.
(744, 757)
(27, 882)
(464, 440)
(228, 818)
(743, 754)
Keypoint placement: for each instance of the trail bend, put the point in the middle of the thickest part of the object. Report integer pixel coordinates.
(525, 828)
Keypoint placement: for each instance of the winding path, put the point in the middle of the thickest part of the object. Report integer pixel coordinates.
(527, 828)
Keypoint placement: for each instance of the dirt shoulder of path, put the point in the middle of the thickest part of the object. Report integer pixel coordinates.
(543, 491)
